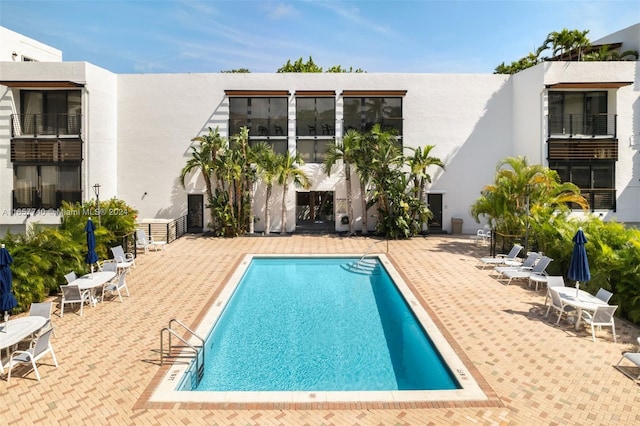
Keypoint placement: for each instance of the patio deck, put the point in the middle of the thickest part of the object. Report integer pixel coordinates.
(533, 371)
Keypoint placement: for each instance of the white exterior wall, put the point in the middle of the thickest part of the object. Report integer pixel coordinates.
(14, 47)
(158, 115)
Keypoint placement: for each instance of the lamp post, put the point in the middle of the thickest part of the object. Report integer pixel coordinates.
(96, 190)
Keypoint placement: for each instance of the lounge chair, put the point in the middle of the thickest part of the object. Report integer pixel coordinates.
(528, 263)
(539, 268)
(142, 242)
(634, 358)
(602, 316)
(40, 346)
(501, 258)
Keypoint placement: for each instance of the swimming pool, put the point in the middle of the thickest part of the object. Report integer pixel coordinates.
(354, 351)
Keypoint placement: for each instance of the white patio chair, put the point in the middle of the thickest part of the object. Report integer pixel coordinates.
(124, 260)
(144, 242)
(42, 309)
(539, 268)
(558, 305)
(553, 281)
(115, 287)
(71, 294)
(601, 317)
(40, 346)
(70, 277)
(501, 258)
(604, 295)
(633, 357)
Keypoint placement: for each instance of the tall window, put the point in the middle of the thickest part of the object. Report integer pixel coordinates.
(266, 118)
(362, 113)
(45, 186)
(596, 180)
(315, 127)
(579, 113)
(53, 112)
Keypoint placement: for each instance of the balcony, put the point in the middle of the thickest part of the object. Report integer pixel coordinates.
(563, 126)
(582, 149)
(39, 125)
(46, 150)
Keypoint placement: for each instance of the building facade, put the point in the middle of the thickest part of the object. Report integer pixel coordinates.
(67, 126)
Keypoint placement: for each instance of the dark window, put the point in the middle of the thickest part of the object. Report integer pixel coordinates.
(53, 112)
(45, 186)
(315, 116)
(363, 113)
(596, 180)
(579, 113)
(313, 150)
(265, 117)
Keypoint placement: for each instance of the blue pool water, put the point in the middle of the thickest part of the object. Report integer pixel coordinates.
(312, 324)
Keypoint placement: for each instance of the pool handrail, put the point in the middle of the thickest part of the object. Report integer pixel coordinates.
(198, 350)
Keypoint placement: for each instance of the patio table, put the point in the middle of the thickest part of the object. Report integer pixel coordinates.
(92, 281)
(16, 330)
(581, 301)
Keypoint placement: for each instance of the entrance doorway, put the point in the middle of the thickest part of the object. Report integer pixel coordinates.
(434, 202)
(195, 213)
(315, 212)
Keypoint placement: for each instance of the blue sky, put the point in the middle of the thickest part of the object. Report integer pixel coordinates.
(175, 36)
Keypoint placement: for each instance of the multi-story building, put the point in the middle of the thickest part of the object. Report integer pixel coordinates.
(67, 126)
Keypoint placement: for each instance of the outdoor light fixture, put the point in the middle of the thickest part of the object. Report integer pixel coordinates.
(96, 190)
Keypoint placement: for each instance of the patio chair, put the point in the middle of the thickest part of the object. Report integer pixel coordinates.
(528, 263)
(70, 277)
(539, 268)
(124, 260)
(109, 265)
(604, 295)
(481, 236)
(501, 258)
(39, 347)
(142, 242)
(601, 317)
(558, 305)
(42, 309)
(553, 281)
(114, 287)
(633, 357)
(71, 294)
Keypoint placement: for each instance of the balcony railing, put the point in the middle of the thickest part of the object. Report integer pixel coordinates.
(581, 125)
(24, 125)
(32, 198)
(582, 149)
(46, 150)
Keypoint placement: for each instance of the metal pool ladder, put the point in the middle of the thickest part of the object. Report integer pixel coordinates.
(361, 265)
(198, 350)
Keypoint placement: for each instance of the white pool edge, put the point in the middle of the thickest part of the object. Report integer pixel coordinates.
(471, 391)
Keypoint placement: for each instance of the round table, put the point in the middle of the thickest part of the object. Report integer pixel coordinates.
(93, 281)
(579, 299)
(16, 330)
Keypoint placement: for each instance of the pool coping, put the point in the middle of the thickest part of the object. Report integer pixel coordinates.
(475, 391)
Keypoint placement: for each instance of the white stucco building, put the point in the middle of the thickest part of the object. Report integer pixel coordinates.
(66, 126)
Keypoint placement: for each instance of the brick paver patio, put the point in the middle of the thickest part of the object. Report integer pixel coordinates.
(533, 371)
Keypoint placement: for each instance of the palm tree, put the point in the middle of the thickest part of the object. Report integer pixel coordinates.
(288, 170)
(419, 162)
(267, 167)
(524, 194)
(347, 152)
(203, 159)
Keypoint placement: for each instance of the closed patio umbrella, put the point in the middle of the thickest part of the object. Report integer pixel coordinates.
(579, 266)
(7, 299)
(91, 257)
